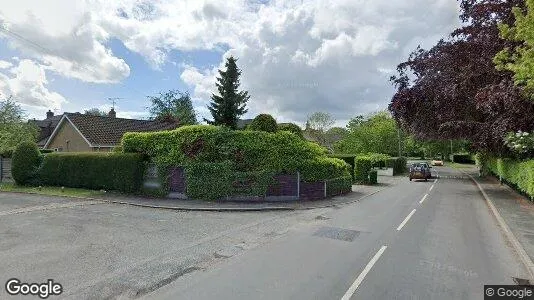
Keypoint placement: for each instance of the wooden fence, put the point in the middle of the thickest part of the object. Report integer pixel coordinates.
(5, 170)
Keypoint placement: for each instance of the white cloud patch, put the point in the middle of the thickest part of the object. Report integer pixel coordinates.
(5, 64)
(27, 84)
(297, 56)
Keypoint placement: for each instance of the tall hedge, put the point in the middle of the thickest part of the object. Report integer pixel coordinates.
(291, 127)
(110, 171)
(208, 181)
(362, 165)
(398, 164)
(349, 159)
(25, 162)
(519, 174)
(280, 152)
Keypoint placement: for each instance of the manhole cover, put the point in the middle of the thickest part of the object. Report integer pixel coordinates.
(337, 233)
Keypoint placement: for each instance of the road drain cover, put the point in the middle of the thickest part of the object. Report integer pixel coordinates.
(337, 233)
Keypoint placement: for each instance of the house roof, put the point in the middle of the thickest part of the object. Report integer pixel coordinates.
(106, 131)
(46, 127)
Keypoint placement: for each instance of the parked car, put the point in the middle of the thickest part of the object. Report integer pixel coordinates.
(437, 162)
(420, 171)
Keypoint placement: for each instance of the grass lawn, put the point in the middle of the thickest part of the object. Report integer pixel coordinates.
(50, 190)
(460, 166)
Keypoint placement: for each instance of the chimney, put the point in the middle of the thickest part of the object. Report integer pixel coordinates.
(49, 114)
(112, 113)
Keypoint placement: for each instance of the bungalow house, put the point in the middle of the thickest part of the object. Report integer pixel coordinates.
(76, 132)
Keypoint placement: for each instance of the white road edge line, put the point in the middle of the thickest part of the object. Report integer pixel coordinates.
(405, 220)
(362, 275)
(423, 200)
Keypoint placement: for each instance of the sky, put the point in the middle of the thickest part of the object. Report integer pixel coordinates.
(296, 56)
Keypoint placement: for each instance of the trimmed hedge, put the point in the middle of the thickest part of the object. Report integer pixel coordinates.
(263, 122)
(280, 152)
(398, 164)
(349, 159)
(208, 181)
(373, 177)
(109, 171)
(462, 159)
(362, 166)
(519, 174)
(26, 159)
(338, 186)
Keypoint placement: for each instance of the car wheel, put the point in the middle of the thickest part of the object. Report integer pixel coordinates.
(426, 179)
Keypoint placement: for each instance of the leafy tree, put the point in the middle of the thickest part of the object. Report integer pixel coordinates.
(376, 134)
(173, 106)
(291, 127)
(453, 91)
(26, 160)
(13, 129)
(519, 59)
(317, 127)
(95, 112)
(230, 104)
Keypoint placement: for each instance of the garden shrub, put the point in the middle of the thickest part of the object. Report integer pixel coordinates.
(25, 162)
(373, 177)
(251, 183)
(398, 164)
(109, 171)
(263, 122)
(519, 174)
(349, 159)
(208, 181)
(322, 168)
(379, 160)
(291, 127)
(338, 186)
(362, 165)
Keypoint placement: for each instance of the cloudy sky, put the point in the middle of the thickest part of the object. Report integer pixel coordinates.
(297, 56)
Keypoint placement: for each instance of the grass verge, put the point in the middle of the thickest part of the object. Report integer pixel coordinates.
(50, 190)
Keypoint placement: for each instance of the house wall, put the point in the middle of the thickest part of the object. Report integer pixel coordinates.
(102, 149)
(65, 133)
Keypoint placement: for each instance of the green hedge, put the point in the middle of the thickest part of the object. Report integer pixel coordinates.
(208, 181)
(362, 165)
(373, 177)
(462, 158)
(108, 171)
(349, 159)
(398, 164)
(338, 186)
(251, 183)
(291, 127)
(26, 159)
(280, 152)
(519, 174)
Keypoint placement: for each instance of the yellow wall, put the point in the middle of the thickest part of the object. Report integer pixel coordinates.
(65, 133)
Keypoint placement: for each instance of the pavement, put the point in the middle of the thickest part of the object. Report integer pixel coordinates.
(405, 240)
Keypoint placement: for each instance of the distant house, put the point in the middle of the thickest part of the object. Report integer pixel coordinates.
(46, 127)
(77, 132)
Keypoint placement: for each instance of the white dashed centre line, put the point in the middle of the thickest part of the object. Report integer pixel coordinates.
(431, 187)
(423, 200)
(362, 275)
(405, 220)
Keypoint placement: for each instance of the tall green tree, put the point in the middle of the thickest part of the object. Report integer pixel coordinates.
(13, 129)
(519, 59)
(317, 127)
(230, 103)
(173, 106)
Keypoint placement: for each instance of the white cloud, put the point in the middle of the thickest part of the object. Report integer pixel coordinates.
(5, 64)
(27, 83)
(297, 56)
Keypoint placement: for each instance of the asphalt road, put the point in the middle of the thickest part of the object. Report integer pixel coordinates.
(397, 244)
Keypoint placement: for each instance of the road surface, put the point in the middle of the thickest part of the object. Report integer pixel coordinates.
(416, 240)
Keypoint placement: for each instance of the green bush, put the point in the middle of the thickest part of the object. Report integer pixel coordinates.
(208, 181)
(251, 183)
(462, 159)
(373, 177)
(280, 152)
(25, 162)
(362, 165)
(109, 171)
(46, 151)
(379, 160)
(338, 186)
(263, 122)
(398, 164)
(291, 127)
(349, 159)
(519, 174)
